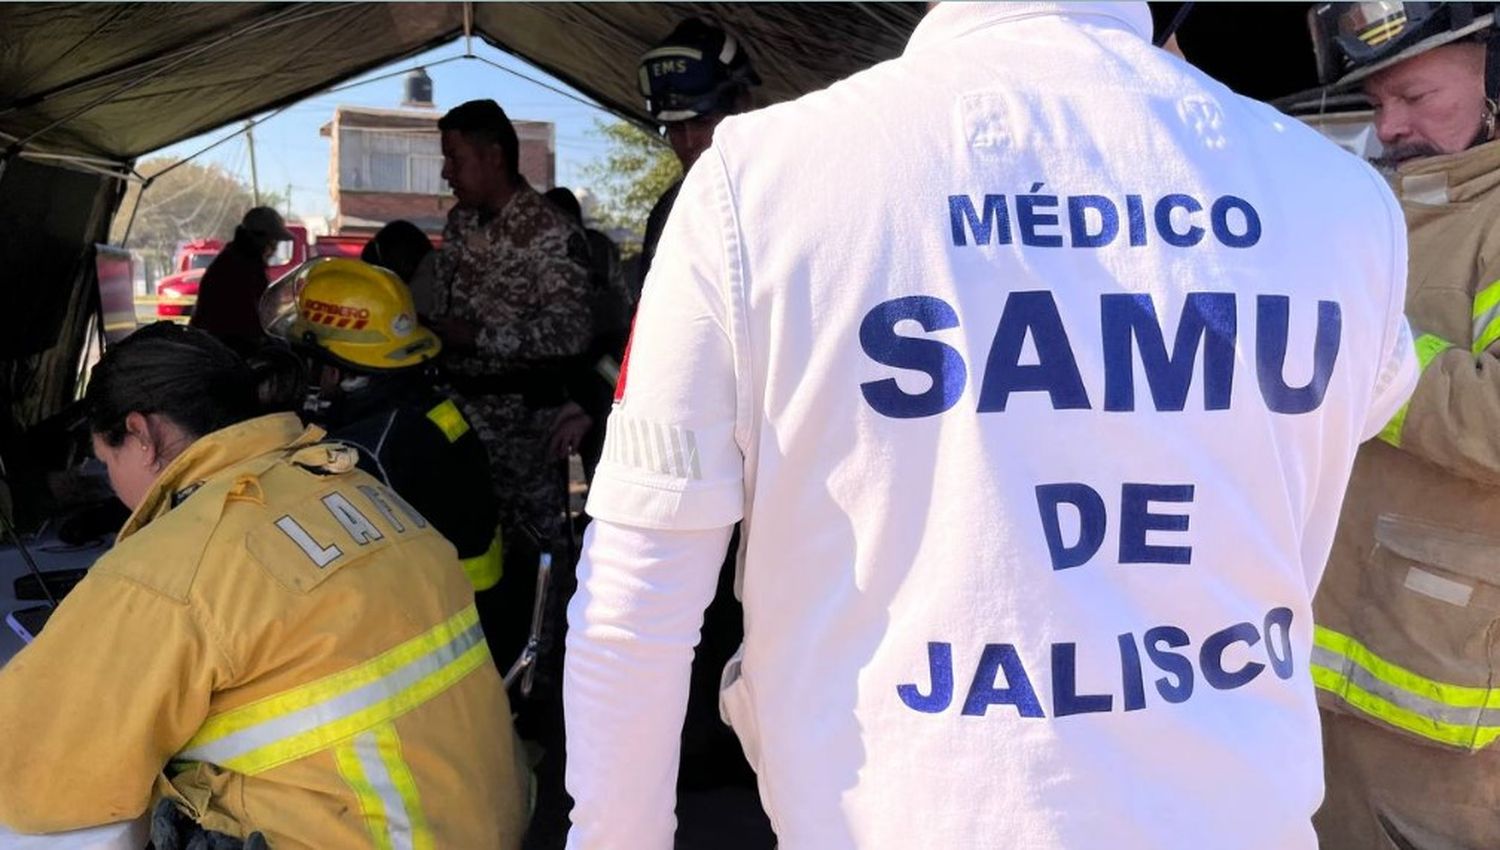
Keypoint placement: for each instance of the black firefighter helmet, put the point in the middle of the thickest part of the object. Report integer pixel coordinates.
(1351, 41)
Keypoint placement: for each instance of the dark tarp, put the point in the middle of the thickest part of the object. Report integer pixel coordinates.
(50, 217)
(161, 72)
(126, 79)
(797, 47)
(114, 81)
(120, 80)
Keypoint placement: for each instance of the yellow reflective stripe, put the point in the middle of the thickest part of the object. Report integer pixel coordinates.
(1457, 715)
(300, 746)
(1487, 299)
(370, 804)
(1486, 336)
(372, 766)
(1383, 32)
(1456, 695)
(388, 744)
(449, 420)
(1486, 317)
(300, 722)
(1428, 348)
(1462, 736)
(286, 702)
(484, 571)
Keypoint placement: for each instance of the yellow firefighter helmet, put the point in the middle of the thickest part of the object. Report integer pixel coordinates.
(358, 314)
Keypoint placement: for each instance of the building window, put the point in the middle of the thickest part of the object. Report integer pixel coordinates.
(427, 175)
(396, 160)
(388, 172)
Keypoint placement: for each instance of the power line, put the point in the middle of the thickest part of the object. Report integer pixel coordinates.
(554, 89)
(572, 147)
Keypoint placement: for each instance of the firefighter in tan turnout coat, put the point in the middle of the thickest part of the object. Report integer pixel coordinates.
(1408, 614)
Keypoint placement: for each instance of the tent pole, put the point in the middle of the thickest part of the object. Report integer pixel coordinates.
(87, 165)
(125, 240)
(10, 153)
(254, 175)
(534, 81)
(468, 29)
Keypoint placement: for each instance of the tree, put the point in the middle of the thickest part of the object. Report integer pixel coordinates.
(635, 171)
(192, 201)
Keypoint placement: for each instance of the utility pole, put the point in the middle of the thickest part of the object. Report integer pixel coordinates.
(254, 178)
(288, 200)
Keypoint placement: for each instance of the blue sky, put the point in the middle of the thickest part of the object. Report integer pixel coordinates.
(289, 151)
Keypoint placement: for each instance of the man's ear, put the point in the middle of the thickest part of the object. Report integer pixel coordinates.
(495, 158)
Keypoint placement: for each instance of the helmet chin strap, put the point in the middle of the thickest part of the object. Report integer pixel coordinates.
(1486, 131)
(1174, 26)
(1492, 65)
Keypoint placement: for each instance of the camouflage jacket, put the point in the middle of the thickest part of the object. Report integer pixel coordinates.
(522, 277)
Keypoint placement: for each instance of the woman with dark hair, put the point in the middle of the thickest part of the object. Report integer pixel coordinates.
(399, 246)
(403, 248)
(286, 632)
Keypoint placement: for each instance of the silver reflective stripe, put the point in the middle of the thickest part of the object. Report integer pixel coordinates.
(680, 467)
(397, 819)
(637, 457)
(1417, 704)
(691, 439)
(1482, 324)
(335, 708)
(666, 466)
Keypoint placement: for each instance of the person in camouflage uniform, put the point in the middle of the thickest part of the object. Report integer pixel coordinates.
(511, 303)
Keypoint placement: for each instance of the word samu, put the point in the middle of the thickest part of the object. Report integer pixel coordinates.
(1128, 325)
(1168, 648)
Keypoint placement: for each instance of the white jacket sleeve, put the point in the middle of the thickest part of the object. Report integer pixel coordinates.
(632, 627)
(667, 492)
(1398, 373)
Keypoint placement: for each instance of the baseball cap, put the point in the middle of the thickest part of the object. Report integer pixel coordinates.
(266, 222)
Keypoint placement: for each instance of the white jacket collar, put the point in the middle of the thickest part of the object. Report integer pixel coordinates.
(950, 20)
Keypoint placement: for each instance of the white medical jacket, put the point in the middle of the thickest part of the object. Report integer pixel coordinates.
(1034, 362)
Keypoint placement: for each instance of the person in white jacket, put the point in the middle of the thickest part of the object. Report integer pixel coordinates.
(1034, 362)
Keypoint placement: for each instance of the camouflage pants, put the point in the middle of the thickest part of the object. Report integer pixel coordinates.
(530, 485)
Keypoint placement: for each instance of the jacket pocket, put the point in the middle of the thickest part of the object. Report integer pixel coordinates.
(1416, 651)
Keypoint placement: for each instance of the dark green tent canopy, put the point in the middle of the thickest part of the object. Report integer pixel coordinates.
(115, 81)
(87, 88)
